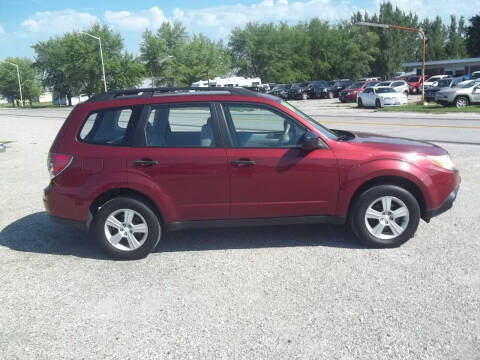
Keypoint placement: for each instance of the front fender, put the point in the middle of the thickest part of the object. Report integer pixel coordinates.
(353, 178)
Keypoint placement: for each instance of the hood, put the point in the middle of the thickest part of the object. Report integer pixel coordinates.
(396, 144)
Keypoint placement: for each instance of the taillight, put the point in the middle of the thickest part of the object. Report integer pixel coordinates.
(57, 163)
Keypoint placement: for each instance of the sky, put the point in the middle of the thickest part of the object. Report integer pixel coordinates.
(24, 22)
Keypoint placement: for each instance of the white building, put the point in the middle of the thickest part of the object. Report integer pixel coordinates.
(455, 67)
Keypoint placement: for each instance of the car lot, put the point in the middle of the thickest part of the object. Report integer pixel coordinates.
(274, 292)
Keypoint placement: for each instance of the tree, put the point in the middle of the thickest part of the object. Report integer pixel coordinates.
(71, 64)
(456, 45)
(473, 36)
(155, 47)
(200, 57)
(28, 78)
(436, 37)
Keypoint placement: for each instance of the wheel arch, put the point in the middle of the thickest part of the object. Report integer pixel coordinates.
(117, 192)
(393, 180)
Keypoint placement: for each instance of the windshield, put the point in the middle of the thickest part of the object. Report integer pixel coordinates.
(356, 85)
(384, 83)
(413, 79)
(466, 84)
(384, 90)
(444, 83)
(327, 132)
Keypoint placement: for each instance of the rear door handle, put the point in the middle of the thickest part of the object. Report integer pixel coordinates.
(145, 162)
(243, 162)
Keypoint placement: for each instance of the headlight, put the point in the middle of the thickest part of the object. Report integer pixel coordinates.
(443, 161)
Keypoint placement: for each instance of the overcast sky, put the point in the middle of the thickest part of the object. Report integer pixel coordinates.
(22, 23)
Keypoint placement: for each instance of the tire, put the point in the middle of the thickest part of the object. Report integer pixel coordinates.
(406, 93)
(461, 102)
(116, 238)
(360, 103)
(414, 90)
(304, 96)
(390, 236)
(378, 103)
(331, 95)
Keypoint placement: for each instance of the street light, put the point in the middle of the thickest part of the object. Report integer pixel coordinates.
(19, 83)
(101, 56)
(160, 62)
(398, 27)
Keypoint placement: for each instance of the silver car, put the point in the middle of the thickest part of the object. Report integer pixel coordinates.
(464, 94)
(397, 85)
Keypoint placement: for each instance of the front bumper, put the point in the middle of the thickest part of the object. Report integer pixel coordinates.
(446, 205)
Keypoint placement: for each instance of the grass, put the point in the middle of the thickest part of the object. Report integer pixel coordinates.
(35, 105)
(434, 109)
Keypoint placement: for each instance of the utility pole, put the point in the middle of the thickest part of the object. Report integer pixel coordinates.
(101, 56)
(398, 27)
(19, 83)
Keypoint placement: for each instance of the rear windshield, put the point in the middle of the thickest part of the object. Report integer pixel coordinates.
(384, 90)
(107, 127)
(385, 83)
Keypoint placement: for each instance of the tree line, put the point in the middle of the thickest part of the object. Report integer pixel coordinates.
(281, 53)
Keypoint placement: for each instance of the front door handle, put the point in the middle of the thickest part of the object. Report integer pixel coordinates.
(145, 162)
(243, 162)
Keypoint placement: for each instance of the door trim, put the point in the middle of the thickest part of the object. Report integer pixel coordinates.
(290, 220)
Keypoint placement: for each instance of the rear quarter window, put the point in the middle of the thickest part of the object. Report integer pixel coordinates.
(106, 127)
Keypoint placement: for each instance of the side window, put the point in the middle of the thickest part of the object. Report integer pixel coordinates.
(368, 91)
(106, 126)
(397, 83)
(256, 126)
(180, 126)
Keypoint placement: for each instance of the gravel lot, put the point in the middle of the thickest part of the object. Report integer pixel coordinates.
(291, 292)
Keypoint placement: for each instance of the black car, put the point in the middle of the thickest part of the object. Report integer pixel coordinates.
(442, 83)
(280, 90)
(332, 88)
(299, 91)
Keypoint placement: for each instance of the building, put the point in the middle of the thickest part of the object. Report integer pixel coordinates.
(456, 67)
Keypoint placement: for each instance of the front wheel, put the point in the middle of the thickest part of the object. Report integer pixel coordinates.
(304, 96)
(385, 216)
(461, 102)
(127, 228)
(378, 103)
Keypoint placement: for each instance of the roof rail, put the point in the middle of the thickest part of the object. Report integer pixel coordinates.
(168, 91)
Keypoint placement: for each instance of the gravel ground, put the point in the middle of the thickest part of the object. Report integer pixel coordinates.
(291, 292)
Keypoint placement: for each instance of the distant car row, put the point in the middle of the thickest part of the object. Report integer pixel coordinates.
(316, 89)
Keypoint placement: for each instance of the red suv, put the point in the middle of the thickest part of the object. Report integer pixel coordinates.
(129, 165)
(350, 94)
(415, 84)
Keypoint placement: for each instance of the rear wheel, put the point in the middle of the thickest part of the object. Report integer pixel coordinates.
(385, 216)
(360, 103)
(461, 101)
(127, 228)
(378, 103)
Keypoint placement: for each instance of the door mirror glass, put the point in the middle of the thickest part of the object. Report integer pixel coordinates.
(312, 141)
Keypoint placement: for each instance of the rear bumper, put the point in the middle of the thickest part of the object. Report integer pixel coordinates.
(69, 222)
(446, 205)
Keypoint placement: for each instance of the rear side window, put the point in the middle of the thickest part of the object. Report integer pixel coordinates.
(106, 127)
(180, 126)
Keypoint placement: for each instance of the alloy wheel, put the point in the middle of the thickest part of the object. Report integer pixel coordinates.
(387, 217)
(126, 229)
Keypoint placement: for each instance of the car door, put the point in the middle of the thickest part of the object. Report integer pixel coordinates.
(476, 94)
(367, 97)
(270, 176)
(179, 161)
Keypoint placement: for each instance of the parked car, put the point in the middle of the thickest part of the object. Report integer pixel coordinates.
(130, 165)
(351, 92)
(332, 89)
(432, 81)
(377, 78)
(380, 96)
(441, 84)
(475, 75)
(464, 94)
(299, 91)
(280, 90)
(415, 84)
(314, 88)
(399, 86)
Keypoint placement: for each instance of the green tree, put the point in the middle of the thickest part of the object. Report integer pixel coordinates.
(456, 46)
(436, 35)
(473, 36)
(71, 64)
(156, 46)
(198, 57)
(28, 79)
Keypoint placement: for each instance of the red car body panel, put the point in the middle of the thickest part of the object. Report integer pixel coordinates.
(200, 183)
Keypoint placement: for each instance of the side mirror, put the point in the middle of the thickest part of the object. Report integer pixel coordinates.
(312, 141)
